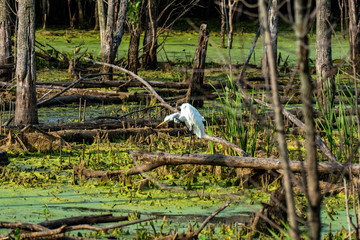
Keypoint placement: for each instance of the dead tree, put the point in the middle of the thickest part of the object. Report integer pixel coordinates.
(325, 80)
(149, 57)
(273, 28)
(134, 19)
(26, 111)
(5, 41)
(223, 22)
(354, 35)
(197, 78)
(110, 33)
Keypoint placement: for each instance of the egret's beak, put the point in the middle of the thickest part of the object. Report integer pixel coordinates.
(161, 124)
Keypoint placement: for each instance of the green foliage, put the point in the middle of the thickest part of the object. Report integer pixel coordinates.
(133, 11)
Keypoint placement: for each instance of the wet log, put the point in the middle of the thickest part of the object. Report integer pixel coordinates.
(41, 232)
(74, 98)
(134, 83)
(95, 124)
(23, 225)
(150, 161)
(76, 135)
(89, 219)
(113, 93)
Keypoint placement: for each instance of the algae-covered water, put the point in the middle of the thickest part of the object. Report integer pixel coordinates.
(18, 203)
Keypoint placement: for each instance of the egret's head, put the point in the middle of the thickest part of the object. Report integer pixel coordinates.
(170, 117)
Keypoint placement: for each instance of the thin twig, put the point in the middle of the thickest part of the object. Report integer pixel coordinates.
(209, 218)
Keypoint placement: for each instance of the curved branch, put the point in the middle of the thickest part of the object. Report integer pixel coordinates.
(166, 105)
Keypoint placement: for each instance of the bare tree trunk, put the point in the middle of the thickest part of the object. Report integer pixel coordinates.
(195, 93)
(273, 26)
(232, 7)
(223, 22)
(5, 41)
(133, 53)
(96, 27)
(80, 13)
(106, 40)
(354, 35)
(313, 189)
(280, 129)
(325, 81)
(110, 41)
(71, 17)
(45, 7)
(273, 19)
(354, 39)
(119, 32)
(149, 59)
(135, 31)
(26, 111)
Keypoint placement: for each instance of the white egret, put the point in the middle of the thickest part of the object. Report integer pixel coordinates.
(191, 117)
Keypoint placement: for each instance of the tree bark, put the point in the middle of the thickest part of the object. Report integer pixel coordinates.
(149, 58)
(81, 20)
(151, 161)
(96, 12)
(106, 40)
(71, 17)
(5, 41)
(197, 77)
(312, 177)
(325, 81)
(135, 29)
(110, 41)
(133, 53)
(223, 22)
(273, 28)
(119, 31)
(45, 7)
(354, 35)
(26, 111)
(232, 4)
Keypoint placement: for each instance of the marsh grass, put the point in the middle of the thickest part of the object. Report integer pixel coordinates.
(338, 123)
(238, 126)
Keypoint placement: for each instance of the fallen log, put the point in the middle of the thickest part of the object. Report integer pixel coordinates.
(135, 83)
(75, 135)
(23, 225)
(102, 93)
(89, 219)
(150, 161)
(74, 98)
(45, 233)
(94, 124)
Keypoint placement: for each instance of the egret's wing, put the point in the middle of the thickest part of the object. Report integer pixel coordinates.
(194, 119)
(184, 119)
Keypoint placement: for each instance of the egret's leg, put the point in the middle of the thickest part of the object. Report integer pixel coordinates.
(190, 142)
